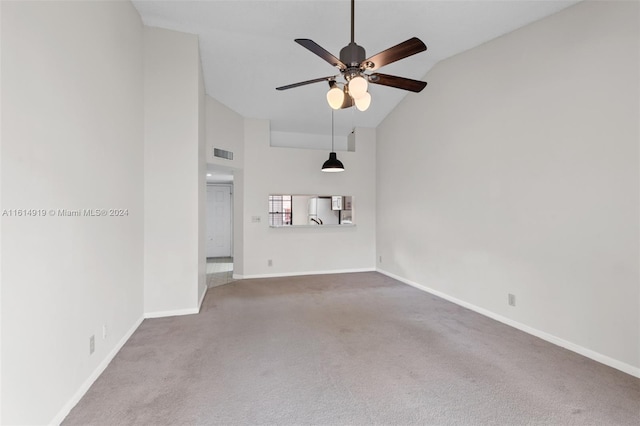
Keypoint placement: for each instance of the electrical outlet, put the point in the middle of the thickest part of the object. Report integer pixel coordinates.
(380, 259)
(269, 262)
(512, 299)
(92, 344)
(104, 331)
(255, 219)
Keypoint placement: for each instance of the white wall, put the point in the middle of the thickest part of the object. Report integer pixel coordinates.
(225, 129)
(72, 138)
(516, 171)
(307, 140)
(1, 208)
(202, 184)
(271, 170)
(174, 174)
(238, 221)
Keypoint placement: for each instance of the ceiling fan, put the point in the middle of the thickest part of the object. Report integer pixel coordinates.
(354, 64)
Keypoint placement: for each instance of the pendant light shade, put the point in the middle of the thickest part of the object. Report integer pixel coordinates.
(335, 96)
(358, 87)
(332, 165)
(363, 103)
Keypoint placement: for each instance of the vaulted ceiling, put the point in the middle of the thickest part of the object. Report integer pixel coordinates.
(247, 48)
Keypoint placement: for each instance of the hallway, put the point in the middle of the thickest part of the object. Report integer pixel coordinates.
(219, 271)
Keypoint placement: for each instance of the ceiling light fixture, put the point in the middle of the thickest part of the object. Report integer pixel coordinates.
(358, 87)
(335, 95)
(332, 165)
(354, 67)
(363, 103)
(354, 93)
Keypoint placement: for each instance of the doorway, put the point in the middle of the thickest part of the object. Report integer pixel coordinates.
(219, 239)
(219, 221)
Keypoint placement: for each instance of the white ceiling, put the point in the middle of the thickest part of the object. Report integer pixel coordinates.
(247, 48)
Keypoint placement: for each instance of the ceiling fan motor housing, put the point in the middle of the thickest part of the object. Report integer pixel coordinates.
(352, 55)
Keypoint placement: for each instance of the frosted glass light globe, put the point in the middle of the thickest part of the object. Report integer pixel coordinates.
(358, 87)
(335, 97)
(363, 103)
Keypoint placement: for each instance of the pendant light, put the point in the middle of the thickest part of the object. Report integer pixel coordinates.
(332, 165)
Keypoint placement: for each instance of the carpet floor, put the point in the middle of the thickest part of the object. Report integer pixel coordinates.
(347, 349)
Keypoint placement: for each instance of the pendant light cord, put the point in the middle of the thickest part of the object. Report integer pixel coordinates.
(332, 130)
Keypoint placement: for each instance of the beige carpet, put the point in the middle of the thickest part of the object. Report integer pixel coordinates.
(349, 349)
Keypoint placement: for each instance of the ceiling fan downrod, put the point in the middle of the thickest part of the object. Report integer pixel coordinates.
(353, 20)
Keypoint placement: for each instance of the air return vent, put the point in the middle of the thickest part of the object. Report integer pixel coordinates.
(222, 153)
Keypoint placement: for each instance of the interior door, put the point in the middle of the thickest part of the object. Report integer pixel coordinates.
(218, 221)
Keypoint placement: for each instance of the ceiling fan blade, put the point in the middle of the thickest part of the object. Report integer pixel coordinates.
(320, 51)
(304, 83)
(397, 82)
(400, 51)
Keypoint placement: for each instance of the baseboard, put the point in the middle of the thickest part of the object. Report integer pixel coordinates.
(596, 356)
(66, 409)
(296, 274)
(176, 313)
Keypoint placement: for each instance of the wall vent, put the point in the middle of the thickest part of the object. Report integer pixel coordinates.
(222, 153)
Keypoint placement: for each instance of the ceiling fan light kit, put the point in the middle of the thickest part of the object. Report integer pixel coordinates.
(363, 103)
(358, 87)
(335, 96)
(348, 100)
(353, 64)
